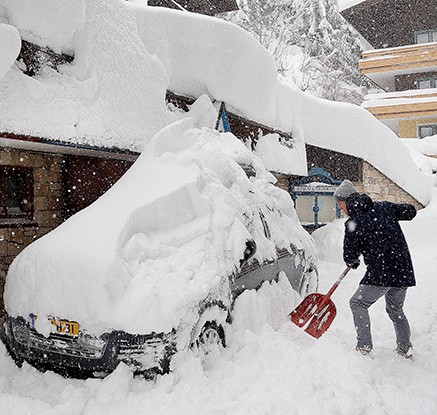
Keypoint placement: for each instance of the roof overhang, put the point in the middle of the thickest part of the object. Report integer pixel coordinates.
(403, 104)
(405, 111)
(24, 142)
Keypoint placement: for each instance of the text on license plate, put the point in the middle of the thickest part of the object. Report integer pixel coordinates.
(65, 327)
(69, 328)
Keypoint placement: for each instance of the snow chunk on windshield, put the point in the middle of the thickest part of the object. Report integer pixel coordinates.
(144, 255)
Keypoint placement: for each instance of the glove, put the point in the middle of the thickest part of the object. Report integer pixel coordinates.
(353, 264)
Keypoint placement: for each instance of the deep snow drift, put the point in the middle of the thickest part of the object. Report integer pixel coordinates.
(270, 366)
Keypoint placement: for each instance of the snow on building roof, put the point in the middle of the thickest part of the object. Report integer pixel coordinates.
(402, 94)
(10, 44)
(423, 152)
(426, 145)
(350, 129)
(412, 99)
(345, 4)
(127, 55)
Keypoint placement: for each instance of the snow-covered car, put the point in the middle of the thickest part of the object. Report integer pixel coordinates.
(156, 264)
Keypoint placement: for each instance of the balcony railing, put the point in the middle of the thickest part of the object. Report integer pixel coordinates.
(399, 58)
(403, 104)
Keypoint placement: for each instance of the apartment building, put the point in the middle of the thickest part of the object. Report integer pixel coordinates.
(403, 64)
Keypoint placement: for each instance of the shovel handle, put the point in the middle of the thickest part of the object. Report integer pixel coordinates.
(343, 274)
(333, 288)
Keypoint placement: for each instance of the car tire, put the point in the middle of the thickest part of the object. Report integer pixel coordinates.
(211, 340)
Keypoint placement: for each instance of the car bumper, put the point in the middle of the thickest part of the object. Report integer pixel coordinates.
(87, 356)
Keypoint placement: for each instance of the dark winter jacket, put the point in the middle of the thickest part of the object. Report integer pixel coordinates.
(373, 231)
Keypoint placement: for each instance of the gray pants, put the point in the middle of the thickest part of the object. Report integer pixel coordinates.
(365, 296)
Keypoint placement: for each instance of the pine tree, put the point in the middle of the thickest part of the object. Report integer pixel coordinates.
(313, 45)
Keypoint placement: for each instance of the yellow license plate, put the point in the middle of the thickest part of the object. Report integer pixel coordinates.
(66, 327)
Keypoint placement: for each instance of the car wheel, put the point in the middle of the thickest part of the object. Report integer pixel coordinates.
(210, 341)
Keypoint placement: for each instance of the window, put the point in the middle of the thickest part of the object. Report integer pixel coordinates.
(426, 36)
(315, 210)
(426, 130)
(16, 192)
(313, 198)
(426, 83)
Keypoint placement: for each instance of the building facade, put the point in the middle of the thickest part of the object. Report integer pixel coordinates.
(403, 65)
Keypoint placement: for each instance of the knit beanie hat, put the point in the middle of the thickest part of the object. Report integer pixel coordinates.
(345, 189)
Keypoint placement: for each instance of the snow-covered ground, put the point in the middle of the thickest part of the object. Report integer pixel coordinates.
(273, 371)
(270, 366)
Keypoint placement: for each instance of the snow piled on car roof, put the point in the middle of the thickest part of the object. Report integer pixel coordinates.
(168, 233)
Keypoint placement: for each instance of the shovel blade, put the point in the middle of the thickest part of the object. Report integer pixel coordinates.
(322, 320)
(306, 309)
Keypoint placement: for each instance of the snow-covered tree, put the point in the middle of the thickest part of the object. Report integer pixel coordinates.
(314, 46)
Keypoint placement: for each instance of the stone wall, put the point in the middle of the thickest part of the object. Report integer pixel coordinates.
(379, 187)
(47, 205)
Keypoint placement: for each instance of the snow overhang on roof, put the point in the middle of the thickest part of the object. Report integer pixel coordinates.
(84, 103)
(127, 56)
(352, 130)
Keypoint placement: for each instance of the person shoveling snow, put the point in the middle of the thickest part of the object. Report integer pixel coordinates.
(373, 231)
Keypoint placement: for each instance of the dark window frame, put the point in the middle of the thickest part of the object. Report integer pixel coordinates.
(24, 192)
(432, 125)
(432, 79)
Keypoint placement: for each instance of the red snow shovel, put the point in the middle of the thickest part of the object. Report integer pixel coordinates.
(318, 309)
